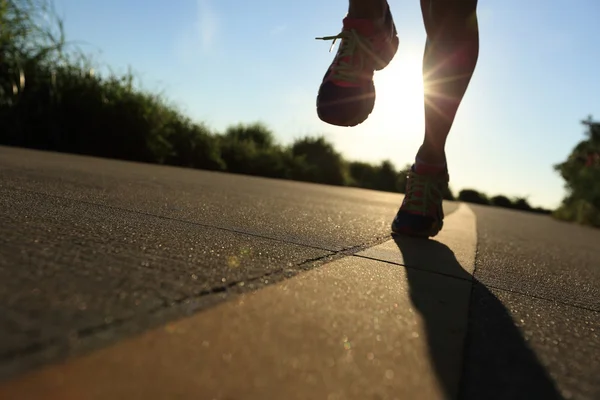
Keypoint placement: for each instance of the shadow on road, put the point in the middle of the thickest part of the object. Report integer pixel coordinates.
(498, 363)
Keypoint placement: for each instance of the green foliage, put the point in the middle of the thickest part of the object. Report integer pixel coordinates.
(578, 211)
(378, 177)
(518, 203)
(473, 196)
(521, 203)
(194, 146)
(256, 133)
(501, 201)
(244, 156)
(581, 172)
(322, 163)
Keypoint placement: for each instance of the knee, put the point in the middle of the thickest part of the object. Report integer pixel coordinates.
(453, 10)
(452, 17)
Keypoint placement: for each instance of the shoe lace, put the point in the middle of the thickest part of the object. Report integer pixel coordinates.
(351, 41)
(422, 192)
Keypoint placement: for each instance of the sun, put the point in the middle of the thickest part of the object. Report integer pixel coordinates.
(399, 89)
(395, 128)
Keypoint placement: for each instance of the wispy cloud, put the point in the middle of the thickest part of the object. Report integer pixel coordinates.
(199, 37)
(207, 24)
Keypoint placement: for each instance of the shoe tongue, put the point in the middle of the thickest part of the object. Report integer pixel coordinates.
(366, 27)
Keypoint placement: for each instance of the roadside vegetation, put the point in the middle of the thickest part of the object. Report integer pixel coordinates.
(51, 98)
(581, 172)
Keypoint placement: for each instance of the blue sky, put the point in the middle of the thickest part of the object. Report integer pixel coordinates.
(229, 61)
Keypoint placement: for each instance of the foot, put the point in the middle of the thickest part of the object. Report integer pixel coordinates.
(347, 94)
(421, 213)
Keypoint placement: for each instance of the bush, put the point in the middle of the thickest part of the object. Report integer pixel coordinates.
(521, 204)
(256, 133)
(579, 211)
(382, 177)
(473, 196)
(501, 201)
(322, 163)
(251, 149)
(194, 146)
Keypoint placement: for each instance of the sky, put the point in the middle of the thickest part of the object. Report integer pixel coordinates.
(228, 61)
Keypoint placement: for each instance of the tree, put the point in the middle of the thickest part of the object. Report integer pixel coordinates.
(387, 177)
(581, 172)
(362, 174)
(321, 163)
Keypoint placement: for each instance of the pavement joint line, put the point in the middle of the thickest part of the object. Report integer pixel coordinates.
(85, 332)
(91, 330)
(280, 274)
(358, 247)
(277, 276)
(413, 267)
(284, 310)
(537, 297)
(452, 252)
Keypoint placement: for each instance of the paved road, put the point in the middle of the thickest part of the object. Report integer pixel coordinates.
(93, 251)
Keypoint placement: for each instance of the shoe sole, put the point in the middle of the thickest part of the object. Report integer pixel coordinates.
(347, 124)
(351, 122)
(432, 233)
(389, 18)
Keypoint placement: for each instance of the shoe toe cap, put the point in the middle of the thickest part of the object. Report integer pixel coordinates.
(344, 105)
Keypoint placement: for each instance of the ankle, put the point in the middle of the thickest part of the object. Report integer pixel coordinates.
(431, 157)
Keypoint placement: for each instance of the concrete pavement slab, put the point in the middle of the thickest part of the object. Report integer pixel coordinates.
(520, 347)
(72, 270)
(538, 256)
(459, 235)
(352, 329)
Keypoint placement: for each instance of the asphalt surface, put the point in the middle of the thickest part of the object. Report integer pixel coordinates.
(94, 250)
(535, 309)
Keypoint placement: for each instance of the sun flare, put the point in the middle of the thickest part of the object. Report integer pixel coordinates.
(400, 91)
(395, 128)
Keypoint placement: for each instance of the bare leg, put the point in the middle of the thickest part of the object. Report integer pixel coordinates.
(448, 63)
(371, 9)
